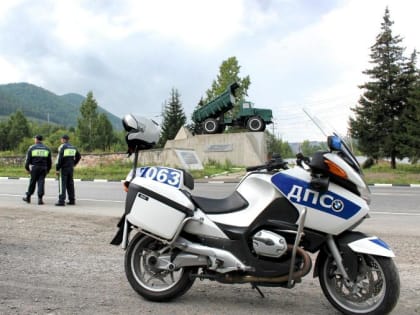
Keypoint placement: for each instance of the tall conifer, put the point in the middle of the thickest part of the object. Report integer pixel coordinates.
(173, 118)
(377, 124)
(87, 122)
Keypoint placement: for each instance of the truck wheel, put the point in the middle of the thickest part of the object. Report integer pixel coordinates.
(210, 126)
(255, 123)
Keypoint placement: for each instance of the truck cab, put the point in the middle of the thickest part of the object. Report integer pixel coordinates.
(254, 119)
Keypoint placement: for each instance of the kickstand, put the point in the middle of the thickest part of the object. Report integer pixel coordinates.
(258, 290)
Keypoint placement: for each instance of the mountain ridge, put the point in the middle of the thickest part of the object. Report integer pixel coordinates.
(40, 104)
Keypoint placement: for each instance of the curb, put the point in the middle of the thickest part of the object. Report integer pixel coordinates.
(201, 181)
(49, 179)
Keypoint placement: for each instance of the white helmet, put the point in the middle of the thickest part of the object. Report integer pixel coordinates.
(142, 132)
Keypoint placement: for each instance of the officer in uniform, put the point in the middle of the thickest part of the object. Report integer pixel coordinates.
(67, 159)
(38, 164)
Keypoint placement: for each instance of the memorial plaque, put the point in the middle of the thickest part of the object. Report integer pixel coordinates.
(189, 159)
(220, 148)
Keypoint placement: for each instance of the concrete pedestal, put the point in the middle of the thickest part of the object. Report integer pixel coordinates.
(241, 149)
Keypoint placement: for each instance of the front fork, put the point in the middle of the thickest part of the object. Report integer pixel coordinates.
(346, 249)
(337, 256)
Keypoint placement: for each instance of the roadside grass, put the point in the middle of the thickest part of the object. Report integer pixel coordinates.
(381, 173)
(116, 171)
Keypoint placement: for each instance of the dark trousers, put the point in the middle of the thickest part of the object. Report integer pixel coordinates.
(38, 174)
(66, 183)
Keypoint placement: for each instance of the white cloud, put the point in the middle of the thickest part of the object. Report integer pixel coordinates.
(9, 73)
(320, 66)
(199, 24)
(131, 53)
(5, 6)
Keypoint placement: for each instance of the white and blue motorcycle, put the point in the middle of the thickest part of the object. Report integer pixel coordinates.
(261, 234)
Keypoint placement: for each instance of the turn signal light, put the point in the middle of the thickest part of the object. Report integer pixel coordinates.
(335, 169)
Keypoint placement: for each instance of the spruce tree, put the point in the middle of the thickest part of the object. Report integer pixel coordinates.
(411, 115)
(87, 122)
(173, 118)
(377, 124)
(104, 133)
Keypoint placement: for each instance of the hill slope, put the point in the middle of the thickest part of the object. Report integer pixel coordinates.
(43, 105)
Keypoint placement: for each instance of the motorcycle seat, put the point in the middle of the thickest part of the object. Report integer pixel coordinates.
(231, 203)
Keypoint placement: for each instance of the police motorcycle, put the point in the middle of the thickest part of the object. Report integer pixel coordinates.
(263, 233)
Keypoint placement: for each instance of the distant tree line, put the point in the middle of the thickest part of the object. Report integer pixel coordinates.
(94, 131)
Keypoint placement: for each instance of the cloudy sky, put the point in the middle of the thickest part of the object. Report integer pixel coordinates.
(131, 53)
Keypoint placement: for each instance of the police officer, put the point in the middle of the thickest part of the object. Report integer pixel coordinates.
(38, 164)
(67, 159)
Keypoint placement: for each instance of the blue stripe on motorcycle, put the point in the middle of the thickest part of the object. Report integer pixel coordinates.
(381, 243)
(298, 191)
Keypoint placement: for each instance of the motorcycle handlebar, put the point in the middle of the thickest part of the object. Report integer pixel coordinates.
(256, 168)
(269, 166)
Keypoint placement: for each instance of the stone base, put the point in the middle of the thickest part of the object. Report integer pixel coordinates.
(240, 149)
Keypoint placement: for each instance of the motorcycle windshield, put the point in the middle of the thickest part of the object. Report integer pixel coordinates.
(335, 141)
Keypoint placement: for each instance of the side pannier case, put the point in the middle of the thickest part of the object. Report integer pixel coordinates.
(156, 207)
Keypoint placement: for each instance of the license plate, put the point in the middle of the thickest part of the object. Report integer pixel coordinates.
(165, 175)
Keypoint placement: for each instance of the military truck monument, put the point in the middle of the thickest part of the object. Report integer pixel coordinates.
(211, 118)
(242, 149)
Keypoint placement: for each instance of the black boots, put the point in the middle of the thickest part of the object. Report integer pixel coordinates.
(28, 200)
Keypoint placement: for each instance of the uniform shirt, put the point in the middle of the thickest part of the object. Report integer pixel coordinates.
(68, 156)
(38, 155)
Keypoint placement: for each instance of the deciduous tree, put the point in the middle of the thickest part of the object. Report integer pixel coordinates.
(17, 129)
(275, 145)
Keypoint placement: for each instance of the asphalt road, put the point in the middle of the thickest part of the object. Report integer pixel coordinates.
(107, 198)
(56, 260)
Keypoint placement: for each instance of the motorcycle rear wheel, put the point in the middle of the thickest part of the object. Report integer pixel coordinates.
(152, 283)
(375, 291)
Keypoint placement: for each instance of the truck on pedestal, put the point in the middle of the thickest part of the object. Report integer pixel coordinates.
(210, 118)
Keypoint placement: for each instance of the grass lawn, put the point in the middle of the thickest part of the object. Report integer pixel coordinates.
(382, 173)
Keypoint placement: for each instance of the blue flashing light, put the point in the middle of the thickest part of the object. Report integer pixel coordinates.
(335, 143)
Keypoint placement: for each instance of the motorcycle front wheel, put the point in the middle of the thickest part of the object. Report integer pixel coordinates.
(150, 282)
(375, 291)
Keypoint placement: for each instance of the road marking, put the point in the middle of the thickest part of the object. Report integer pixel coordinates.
(81, 199)
(395, 213)
(396, 194)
